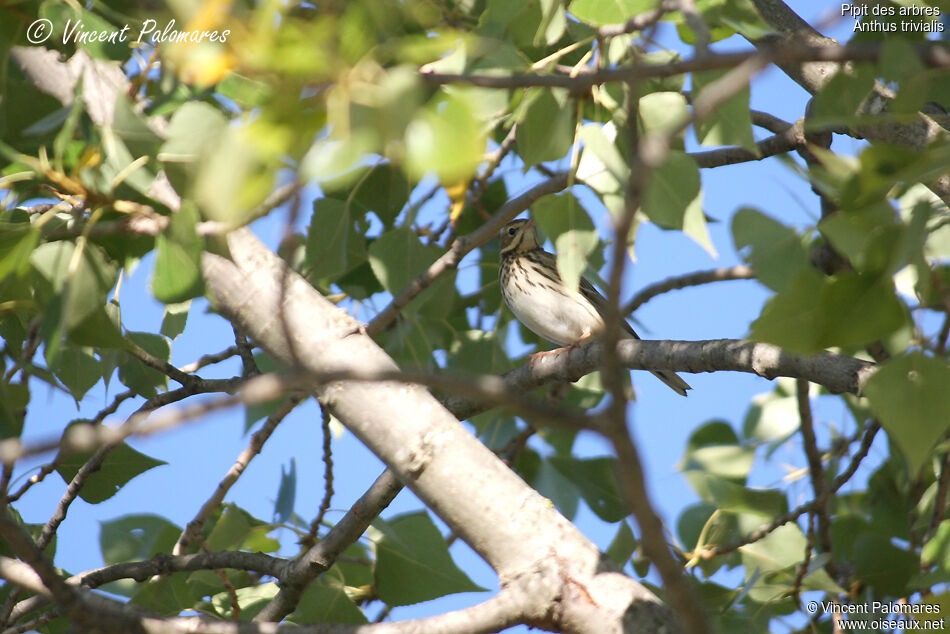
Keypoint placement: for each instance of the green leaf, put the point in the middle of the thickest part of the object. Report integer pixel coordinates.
(772, 417)
(384, 190)
(193, 128)
(119, 466)
(714, 432)
(553, 23)
(286, 492)
(137, 376)
(14, 398)
(322, 602)
(101, 329)
(672, 198)
(410, 547)
(334, 246)
(601, 166)
(774, 251)
(867, 237)
(781, 549)
(730, 462)
(398, 257)
(725, 19)
(17, 242)
(478, 352)
(78, 369)
(691, 522)
(546, 131)
(883, 566)
(136, 538)
(910, 397)
(729, 496)
(597, 480)
(600, 12)
(623, 545)
(729, 123)
(236, 529)
(251, 600)
(246, 92)
(549, 482)
(840, 98)
(166, 596)
(816, 313)
(937, 550)
(175, 318)
(663, 112)
(445, 139)
(82, 280)
(567, 224)
(177, 275)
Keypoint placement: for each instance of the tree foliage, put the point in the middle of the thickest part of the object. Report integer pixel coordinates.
(138, 150)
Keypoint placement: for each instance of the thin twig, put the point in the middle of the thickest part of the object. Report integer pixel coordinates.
(738, 272)
(311, 538)
(791, 139)
(210, 359)
(816, 470)
(254, 447)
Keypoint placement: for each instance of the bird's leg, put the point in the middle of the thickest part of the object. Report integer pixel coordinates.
(586, 335)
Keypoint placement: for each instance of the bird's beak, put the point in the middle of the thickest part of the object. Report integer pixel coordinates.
(529, 224)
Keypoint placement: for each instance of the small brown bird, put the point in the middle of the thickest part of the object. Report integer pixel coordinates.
(535, 293)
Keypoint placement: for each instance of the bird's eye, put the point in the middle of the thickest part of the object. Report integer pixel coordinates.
(512, 231)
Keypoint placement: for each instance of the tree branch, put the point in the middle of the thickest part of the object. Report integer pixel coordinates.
(321, 555)
(932, 54)
(738, 272)
(815, 469)
(505, 609)
(791, 139)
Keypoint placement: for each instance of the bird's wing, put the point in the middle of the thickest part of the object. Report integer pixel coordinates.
(600, 303)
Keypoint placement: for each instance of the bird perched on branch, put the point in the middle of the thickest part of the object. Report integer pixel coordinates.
(535, 293)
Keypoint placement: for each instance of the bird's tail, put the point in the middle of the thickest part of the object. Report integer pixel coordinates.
(672, 379)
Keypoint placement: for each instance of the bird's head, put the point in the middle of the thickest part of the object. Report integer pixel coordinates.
(519, 236)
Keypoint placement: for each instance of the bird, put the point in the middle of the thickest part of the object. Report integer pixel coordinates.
(533, 290)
